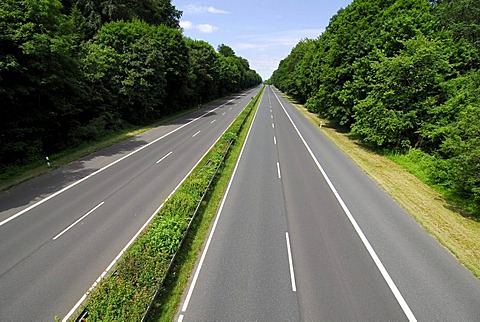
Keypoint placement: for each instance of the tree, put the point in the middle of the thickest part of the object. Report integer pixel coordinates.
(457, 127)
(125, 61)
(154, 12)
(400, 74)
(293, 73)
(40, 81)
(71, 71)
(225, 51)
(462, 17)
(407, 86)
(203, 72)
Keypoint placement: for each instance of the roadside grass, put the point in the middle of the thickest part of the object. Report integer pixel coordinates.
(170, 297)
(459, 233)
(17, 174)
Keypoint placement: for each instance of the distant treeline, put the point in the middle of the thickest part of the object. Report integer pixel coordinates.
(403, 76)
(73, 70)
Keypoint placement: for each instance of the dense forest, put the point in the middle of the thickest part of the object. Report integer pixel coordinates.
(403, 77)
(73, 70)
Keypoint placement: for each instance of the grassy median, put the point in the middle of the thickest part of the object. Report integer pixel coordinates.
(459, 233)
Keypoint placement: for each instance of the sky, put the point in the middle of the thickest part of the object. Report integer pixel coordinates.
(262, 31)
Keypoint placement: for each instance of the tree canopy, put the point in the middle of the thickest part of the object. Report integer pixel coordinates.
(73, 70)
(401, 75)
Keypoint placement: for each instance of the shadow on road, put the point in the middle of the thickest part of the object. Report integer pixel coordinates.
(19, 197)
(29, 192)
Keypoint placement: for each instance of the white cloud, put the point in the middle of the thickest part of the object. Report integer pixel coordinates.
(250, 46)
(217, 11)
(203, 28)
(196, 10)
(287, 38)
(186, 25)
(206, 28)
(264, 51)
(264, 64)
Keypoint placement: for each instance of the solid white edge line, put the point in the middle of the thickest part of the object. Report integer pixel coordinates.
(196, 134)
(278, 170)
(217, 217)
(82, 299)
(78, 220)
(164, 157)
(406, 309)
(290, 263)
(106, 167)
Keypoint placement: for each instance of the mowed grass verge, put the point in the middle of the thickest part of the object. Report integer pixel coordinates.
(460, 234)
(170, 297)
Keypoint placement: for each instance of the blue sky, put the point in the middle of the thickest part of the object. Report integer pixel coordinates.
(262, 31)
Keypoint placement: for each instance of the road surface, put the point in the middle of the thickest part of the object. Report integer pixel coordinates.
(304, 235)
(60, 231)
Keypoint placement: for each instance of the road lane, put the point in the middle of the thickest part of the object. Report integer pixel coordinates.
(356, 254)
(432, 282)
(327, 274)
(41, 277)
(336, 276)
(245, 273)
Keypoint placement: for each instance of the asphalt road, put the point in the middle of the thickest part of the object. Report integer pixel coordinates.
(61, 231)
(303, 234)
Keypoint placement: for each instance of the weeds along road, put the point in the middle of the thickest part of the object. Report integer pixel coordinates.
(59, 232)
(304, 234)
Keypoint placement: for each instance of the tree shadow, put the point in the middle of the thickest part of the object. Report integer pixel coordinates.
(16, 198)
(20, 196)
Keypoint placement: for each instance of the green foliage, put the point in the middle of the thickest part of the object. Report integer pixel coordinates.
(407, 86)
(297, 67)
(72, 71)
(126, 62)
(462, 17)
(225, 51)
(203, 75)
(40, 82)
(461, 143)
(401, 75)
(97, 12)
